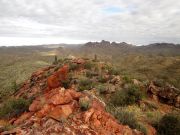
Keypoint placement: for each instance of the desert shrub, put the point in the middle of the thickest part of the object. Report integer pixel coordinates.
(90, 74)
(88, 65)
(127, 96)
(141, 128)
(4, 93)
(151, 106)
(73, 66)
(102, 79)
(153, 118)
(101, 88)
(159, 82)
(169, 125)
(66, 83)
(15, 87)
(113, 71)
(128, 118)
(127, 79)
(14, 107)
(84, 103)
(85, 84)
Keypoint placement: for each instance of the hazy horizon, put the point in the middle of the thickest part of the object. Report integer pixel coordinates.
(138, 22)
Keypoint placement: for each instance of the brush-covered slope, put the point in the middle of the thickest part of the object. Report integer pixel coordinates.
(89, 97)
(51, 103)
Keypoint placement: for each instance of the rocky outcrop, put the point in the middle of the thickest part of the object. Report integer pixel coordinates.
(57, 77)
(58, 111)
(167, 94)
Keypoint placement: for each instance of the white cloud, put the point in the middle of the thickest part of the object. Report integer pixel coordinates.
(135, 21)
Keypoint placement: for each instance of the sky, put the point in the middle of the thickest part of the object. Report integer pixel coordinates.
(31, 22)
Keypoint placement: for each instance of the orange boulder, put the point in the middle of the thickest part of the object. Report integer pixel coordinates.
(55, 80)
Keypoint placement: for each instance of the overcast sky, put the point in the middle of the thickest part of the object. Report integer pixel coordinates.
(78, 21)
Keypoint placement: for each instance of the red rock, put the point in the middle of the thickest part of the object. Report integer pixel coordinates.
(63, 72)
(23, 117)
(61, 112)
(60, 98)
(35, 106)
(97, 105)
(44, 111)
(67, 110)
(97, 123)
(87, 115)
(54, 81)
(75, 95)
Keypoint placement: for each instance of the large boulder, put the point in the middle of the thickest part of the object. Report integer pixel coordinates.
(167, 94)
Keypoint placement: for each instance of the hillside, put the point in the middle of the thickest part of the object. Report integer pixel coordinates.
(88, 96)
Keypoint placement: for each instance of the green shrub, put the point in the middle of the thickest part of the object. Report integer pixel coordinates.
(90, 74)
(13, 107)
(101, 88)
(159, 82)
(128, 118)
(84, 103)
(169, 125)
(113, 71)
(73, 66)
(102, 79)
(127, 79)
(66, 83)
(85, 84)
(88, 65)
(153, 118)
(15, 86)
(127, 96)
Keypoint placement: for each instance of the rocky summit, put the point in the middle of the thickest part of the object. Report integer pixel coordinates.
(58, 110)
(81, 96)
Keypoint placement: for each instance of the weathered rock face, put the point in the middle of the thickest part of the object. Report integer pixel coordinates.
(56, 79)
(167, 94)
(58, 111)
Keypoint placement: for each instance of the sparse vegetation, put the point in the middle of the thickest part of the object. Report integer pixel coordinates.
(169, 125)
(159, 69)
(90, 74)
(84, 103)
(102, 79)
(13, 107)
(126, 118)
(88, 65)
(113, 71)
(85, 84)
(73, 66)
(102, 88)
(154, 117)
(127, 96)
